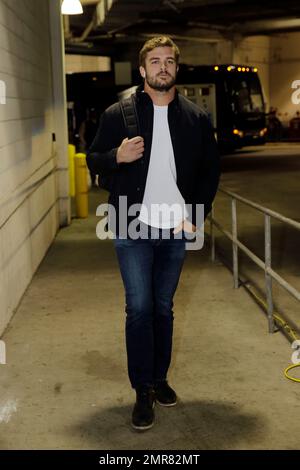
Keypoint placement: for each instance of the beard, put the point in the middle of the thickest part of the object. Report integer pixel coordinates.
(158, 84)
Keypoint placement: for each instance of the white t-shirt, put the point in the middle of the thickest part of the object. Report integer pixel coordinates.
(163, 205)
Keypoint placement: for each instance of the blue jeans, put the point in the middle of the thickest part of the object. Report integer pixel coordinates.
(150, 270)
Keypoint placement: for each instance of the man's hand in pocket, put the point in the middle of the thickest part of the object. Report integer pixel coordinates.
(186, 226)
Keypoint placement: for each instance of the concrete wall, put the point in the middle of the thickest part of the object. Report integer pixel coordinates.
(30, 188)
(197, 53)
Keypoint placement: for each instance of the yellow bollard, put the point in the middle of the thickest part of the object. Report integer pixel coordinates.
(81, 185)
(71, 154)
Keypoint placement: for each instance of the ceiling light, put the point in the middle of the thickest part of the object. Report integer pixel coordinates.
(71, 7)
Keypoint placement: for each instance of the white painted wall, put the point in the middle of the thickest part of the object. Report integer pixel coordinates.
(30, 189)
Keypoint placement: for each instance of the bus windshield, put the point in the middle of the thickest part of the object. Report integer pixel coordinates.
(246, 95)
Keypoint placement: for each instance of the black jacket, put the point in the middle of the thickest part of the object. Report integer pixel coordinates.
(195, 152)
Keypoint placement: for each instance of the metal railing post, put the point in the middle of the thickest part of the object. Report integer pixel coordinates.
(268, 277)
(234, 244)
(212, 236)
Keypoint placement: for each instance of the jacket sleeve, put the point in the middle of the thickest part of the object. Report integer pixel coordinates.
(209, 171)
(102, 154)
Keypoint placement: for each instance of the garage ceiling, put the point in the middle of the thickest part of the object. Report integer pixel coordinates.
(108, 24)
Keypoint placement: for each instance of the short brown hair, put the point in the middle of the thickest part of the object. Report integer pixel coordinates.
(158, 41)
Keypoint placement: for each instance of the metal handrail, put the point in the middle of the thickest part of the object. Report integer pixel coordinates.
(263, 209)
(237, 244)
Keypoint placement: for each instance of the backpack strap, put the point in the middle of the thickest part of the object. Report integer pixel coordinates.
(130, 117)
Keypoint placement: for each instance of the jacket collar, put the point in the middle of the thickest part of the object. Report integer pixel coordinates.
(143, 97)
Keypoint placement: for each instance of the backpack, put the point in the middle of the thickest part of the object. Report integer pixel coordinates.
(129, 113)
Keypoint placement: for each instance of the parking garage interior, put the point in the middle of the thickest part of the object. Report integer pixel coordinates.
(63, 378)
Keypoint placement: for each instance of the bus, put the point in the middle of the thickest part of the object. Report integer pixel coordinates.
(233, 99)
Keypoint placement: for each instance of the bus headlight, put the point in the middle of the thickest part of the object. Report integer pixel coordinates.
(237, 132)
(263, 132)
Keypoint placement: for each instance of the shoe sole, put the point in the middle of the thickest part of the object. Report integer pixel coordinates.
(144, 428)
(167, 405)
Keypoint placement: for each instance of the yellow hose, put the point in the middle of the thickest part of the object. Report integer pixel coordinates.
(289, 376)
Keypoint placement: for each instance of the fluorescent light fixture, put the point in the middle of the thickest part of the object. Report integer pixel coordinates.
(71, 7)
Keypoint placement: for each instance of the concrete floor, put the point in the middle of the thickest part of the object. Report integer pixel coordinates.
(65, 383)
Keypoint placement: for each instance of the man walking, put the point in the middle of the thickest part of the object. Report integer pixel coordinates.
(172, 162)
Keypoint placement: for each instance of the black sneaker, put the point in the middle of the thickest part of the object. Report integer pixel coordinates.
(164, 394)
(143, 411)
